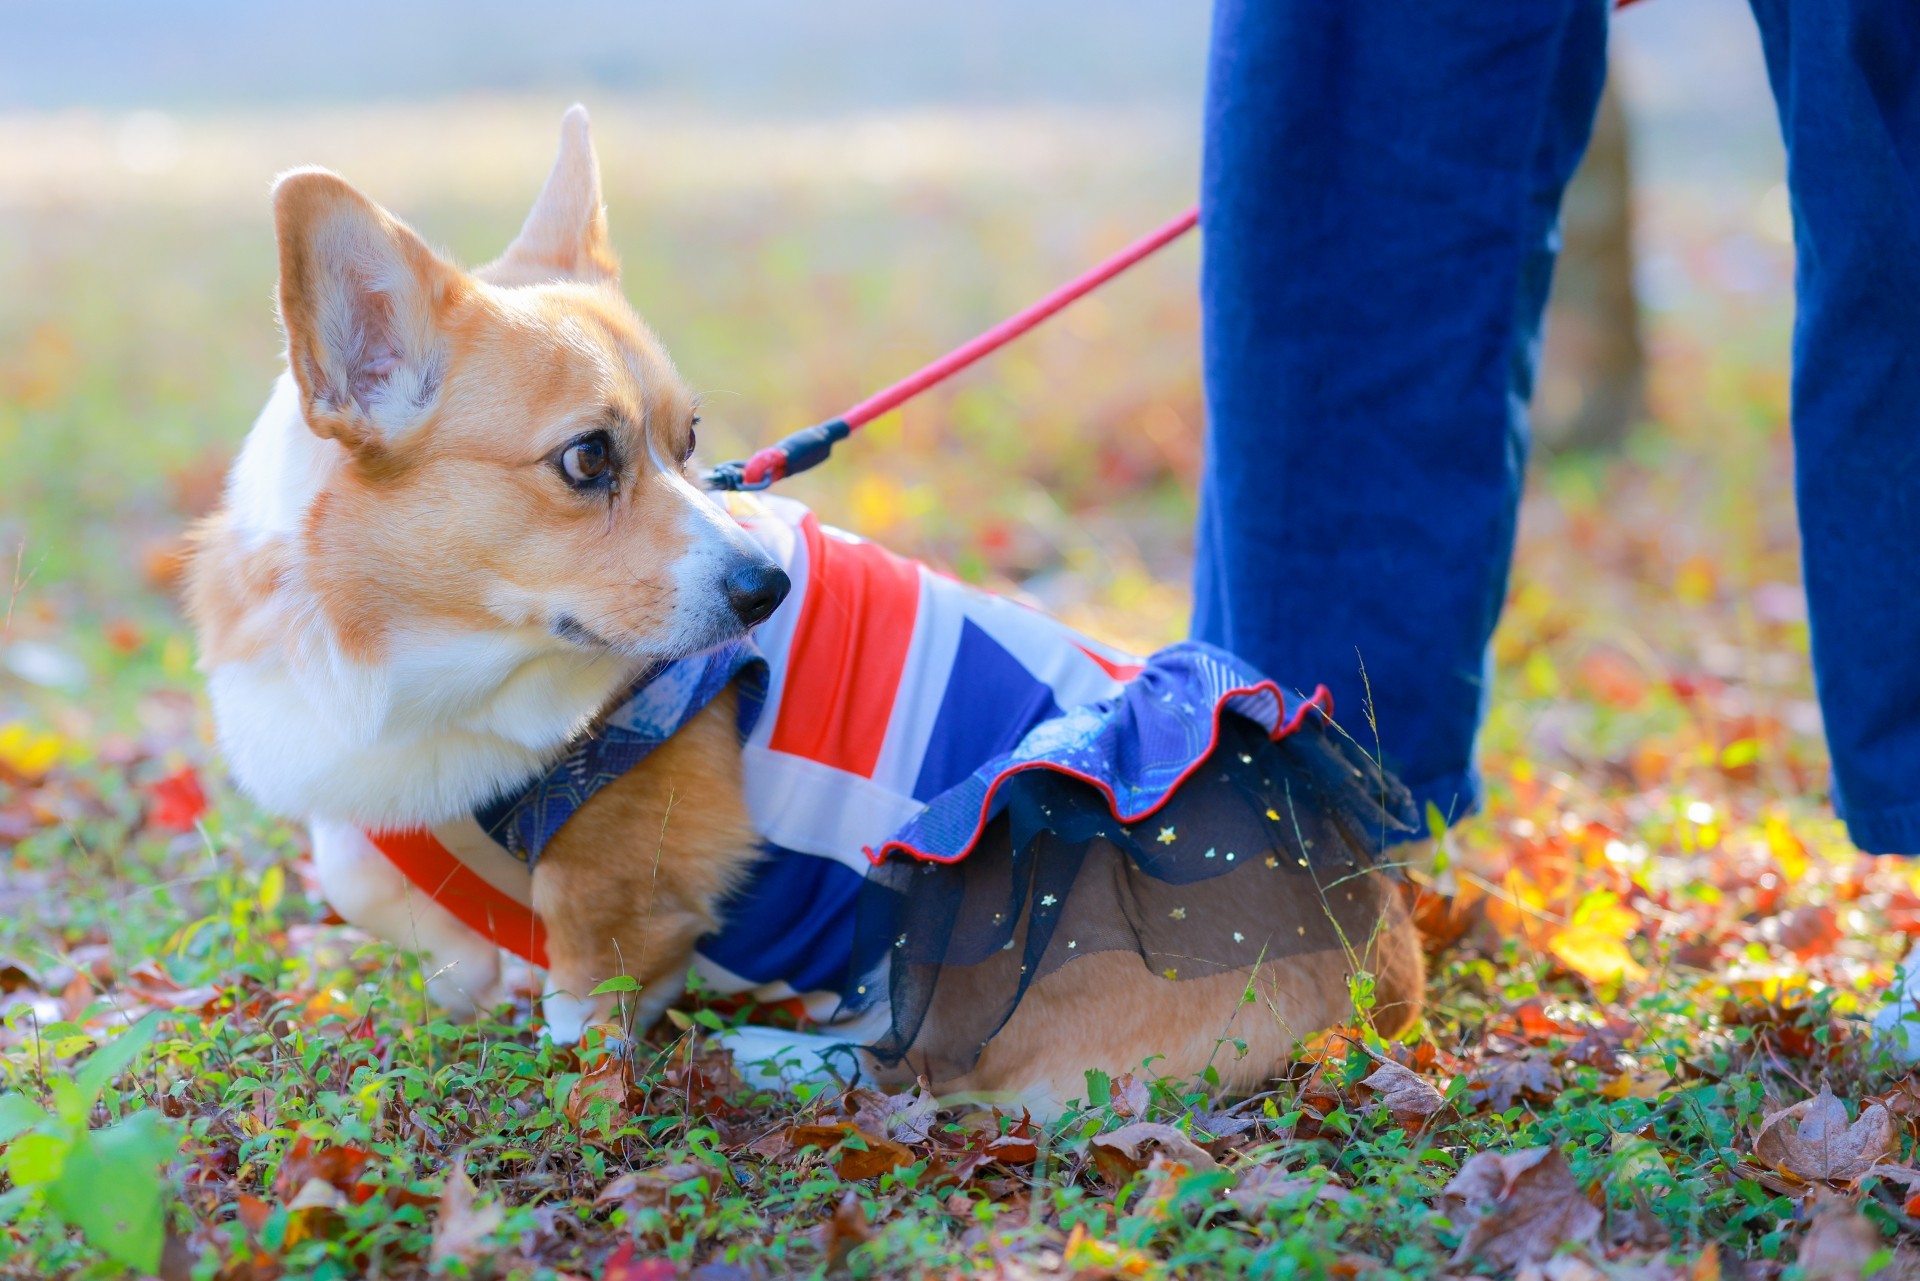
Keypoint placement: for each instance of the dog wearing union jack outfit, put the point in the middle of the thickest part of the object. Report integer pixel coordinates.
(464, 613)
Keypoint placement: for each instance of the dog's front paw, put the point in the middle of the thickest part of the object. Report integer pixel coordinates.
(568, 1017)
(1897, 1025)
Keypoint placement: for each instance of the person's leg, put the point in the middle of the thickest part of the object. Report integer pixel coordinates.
(1846, 77)
(1378, 210)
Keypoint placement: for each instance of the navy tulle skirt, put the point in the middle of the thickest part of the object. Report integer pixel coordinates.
(1182, 820)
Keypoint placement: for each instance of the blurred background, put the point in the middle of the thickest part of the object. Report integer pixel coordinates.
(809, 201)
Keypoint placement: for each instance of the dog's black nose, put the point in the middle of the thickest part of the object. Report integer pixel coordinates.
(755, 591)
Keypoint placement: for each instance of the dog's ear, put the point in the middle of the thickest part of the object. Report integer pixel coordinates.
(360, 297)
(565, 237)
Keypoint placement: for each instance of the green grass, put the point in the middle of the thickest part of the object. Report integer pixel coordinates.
(1656, 793)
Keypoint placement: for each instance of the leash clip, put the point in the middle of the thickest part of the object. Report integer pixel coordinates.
(732, 477)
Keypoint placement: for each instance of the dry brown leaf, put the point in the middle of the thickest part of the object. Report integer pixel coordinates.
(846, 1229)
(462, 1228)
(906, 1117)
(869, 1156)
(1500, 1083)
(1839, 1241)
(1259, 1185)
(655, 1189)
(1020, 1145)
(607, 1081)
(1517, 1207)
(1130, 1097)
(1813, 1139)
(1903, 1100)
(1411, 1098)
(1121, 1154)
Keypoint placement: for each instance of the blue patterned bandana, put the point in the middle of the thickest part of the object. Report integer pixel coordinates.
(654, 708)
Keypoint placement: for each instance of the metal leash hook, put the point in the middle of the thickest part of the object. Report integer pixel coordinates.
(811, 447)
(792, 455)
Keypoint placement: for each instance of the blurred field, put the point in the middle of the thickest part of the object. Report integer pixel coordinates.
(1653, 937)
(790, 268)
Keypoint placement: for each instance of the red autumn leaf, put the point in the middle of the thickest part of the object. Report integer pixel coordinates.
(177, 801)
(336, 1165)
(1808, 932)
(125, 636)
(623, 1266)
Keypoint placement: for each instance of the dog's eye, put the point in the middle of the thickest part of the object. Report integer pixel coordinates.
(693, 440)
(588, 462)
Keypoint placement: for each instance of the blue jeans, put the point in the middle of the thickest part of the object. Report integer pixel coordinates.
(1379, 206)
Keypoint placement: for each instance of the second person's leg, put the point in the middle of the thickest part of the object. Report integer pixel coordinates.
(1846, 75)
(1379, 204)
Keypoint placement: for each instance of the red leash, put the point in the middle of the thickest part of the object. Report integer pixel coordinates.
(810, 447)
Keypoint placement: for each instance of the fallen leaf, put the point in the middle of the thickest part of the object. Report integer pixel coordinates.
(1840, 1242)
(1814, 1140)
(705, 1082)
(1499, 1083)
(124, 635)
(1409, 1097)
(177, 801)
(855, 1153)
(1130, 1096)
(1518, 1207)
(906, 1117)
(843, 1230)
(1614, 678)
(1121, 1154)
(1593, 944)
(28, 753)
(1020, 1145)
(606, 1082)
(1259, 1185)
(1808, 932)
(663, 1189)
(461, 1231)
(622, 1265)
(336, 1165)
(1903, 1101)
(1090, 1257)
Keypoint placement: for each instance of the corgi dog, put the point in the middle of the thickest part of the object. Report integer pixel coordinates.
(465, 525)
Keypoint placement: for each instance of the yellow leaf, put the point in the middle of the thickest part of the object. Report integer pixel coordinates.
(1695, 583)
(1090, 1254)
(273, 886)
(176, 658)
(1595, 955)
(1787, 849)
(1603, 911)
(876, 503)
(27, 752)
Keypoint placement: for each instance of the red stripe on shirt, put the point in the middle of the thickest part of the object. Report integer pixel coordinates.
(470, 897)
(1122, 672)
(848, 651)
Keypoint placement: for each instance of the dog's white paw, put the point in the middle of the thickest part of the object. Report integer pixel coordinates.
(774, 1059)
(568, 1017)
(466, 990)
(1897, 1025)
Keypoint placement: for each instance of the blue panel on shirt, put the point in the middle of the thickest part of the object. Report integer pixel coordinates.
(792, 921)
(990, 703)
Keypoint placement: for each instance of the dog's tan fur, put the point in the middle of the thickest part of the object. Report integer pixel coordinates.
(438, 513)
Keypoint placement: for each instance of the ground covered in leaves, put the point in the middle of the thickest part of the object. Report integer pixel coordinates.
(1644, 1054)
